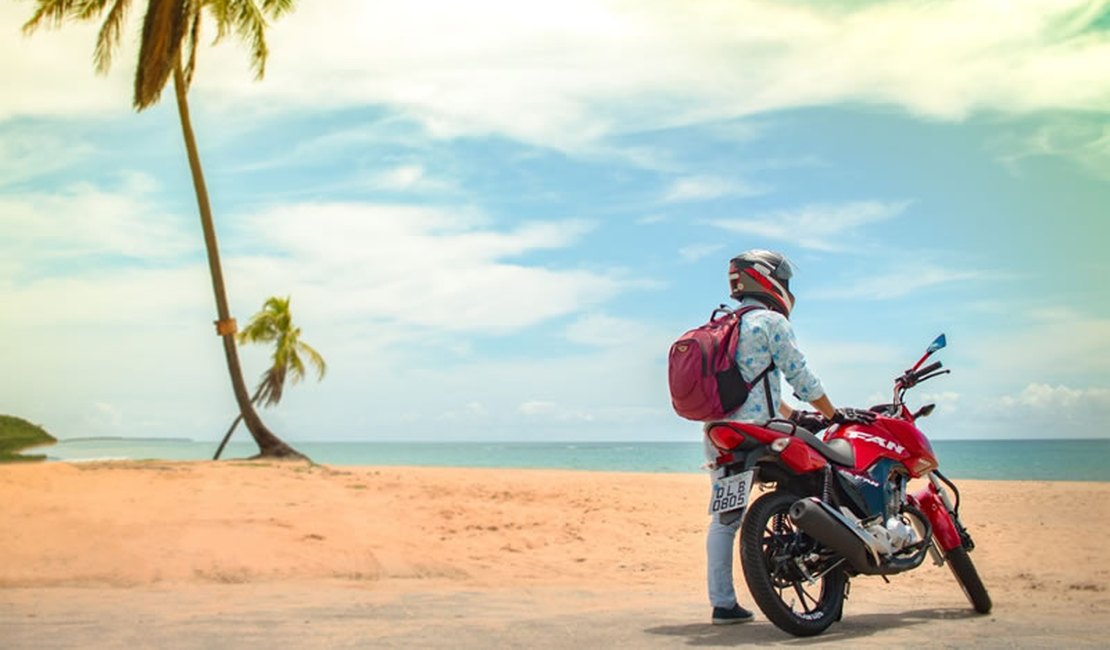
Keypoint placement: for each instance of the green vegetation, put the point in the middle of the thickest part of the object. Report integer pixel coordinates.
(16, 434)
(274, 324)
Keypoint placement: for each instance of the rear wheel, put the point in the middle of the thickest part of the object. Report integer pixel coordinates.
(959, 561)
(778, 561)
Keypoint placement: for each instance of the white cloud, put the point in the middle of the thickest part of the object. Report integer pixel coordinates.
(704, 188)
(1049, 339)
(948, 402)
(1083, 139)
(447, 270)
(537, 408)
(695, 252)
(51, 72)
(900, 282)
(1048, 411)
(407, 178)
(817, 227)
(601, 330)
(26, 154)
(397, 298)
(567, 74)
(1054, 399)
(42, 230)
(552, 411)
(402, 178)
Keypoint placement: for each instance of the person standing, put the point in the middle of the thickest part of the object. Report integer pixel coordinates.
(766, 345)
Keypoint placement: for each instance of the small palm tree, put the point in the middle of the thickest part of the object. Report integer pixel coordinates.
(168, 47)
(274, 324)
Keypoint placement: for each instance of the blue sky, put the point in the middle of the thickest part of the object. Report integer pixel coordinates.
(493, 219)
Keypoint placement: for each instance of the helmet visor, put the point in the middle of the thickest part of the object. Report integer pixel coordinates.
(784, 270)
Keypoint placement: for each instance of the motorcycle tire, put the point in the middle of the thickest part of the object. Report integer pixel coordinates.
(959, 561)
(767, 540)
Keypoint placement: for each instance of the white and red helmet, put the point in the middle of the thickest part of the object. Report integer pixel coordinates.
(764, 275)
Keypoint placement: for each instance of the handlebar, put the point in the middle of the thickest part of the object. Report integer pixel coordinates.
(912, 378)
(927, 369)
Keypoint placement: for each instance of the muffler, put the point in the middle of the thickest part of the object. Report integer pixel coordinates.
(824, 524)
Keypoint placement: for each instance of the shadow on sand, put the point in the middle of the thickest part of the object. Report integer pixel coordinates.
(763, 632)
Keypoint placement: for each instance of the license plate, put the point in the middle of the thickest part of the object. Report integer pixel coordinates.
(731, 492)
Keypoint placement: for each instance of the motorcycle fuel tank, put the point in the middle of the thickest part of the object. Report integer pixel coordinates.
(888, 438)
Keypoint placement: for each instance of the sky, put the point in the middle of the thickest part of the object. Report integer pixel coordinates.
(494, 217)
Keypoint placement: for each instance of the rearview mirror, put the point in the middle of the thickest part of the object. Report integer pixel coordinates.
(924, 411)
(938, 343)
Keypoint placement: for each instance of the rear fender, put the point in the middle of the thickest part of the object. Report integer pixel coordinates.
(944, 529)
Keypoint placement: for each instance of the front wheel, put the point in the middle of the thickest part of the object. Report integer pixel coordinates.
(964, 569)
(790, 579)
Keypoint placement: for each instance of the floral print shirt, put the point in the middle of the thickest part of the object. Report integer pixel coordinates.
(766, 336)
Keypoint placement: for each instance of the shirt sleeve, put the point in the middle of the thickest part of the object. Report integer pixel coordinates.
(791, 362)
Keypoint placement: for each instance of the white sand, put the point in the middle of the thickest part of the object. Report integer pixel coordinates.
(251, 554)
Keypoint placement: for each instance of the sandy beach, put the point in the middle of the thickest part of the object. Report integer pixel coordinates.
(255, 554)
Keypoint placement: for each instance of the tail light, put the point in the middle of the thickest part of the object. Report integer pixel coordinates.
(725, 437)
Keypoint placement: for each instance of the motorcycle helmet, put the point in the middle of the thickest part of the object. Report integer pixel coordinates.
(764, 275)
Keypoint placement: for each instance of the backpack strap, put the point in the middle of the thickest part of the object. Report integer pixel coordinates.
(766, 388)
(763, 376)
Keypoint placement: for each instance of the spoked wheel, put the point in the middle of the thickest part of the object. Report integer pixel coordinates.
(789, 578)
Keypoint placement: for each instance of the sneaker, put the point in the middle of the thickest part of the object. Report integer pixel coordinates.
(731, 615)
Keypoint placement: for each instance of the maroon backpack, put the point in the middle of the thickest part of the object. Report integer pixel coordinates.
(705, 381)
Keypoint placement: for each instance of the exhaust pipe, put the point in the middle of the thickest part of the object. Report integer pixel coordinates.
(824, 524)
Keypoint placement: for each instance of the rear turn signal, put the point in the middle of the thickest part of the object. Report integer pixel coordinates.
(778, 444)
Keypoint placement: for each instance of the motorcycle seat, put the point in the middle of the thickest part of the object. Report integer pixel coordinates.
(838, 451)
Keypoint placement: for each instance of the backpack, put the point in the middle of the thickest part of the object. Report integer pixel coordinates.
(704, 378)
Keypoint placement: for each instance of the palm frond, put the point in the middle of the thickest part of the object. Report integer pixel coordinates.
(314, 358)
(110, 32)
(88, 9)
(272, 385)
(296, 365)
(191, 45)
(274, 324)
(251, 26)
(163, 30)
(275, 9)
(51, 12)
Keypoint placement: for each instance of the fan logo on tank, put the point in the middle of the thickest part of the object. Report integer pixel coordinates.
(878, 440)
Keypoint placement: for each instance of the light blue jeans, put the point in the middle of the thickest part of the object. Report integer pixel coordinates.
(720, 548)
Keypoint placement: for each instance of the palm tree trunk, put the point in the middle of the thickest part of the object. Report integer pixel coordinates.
(227, 436)
(234, 424)
(269, 445)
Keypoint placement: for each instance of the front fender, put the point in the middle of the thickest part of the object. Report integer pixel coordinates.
(944, 529)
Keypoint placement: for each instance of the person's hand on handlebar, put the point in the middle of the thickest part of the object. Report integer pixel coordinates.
(809, 420)
(852, 416)
(828, 414)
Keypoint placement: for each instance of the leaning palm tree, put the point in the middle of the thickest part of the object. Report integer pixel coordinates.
(274, 324)
(168, 46)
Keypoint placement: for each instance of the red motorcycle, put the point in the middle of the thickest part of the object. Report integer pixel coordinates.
(839, 507)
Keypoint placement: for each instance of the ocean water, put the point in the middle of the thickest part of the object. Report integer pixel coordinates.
(1051, 460)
